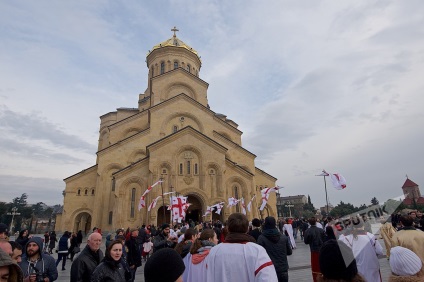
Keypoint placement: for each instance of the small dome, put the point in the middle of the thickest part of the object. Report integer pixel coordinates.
(174, 41)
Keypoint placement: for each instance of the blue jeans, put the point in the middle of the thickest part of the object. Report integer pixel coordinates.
(61, 256)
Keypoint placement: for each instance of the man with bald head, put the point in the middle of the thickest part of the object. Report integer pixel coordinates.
(84, 265)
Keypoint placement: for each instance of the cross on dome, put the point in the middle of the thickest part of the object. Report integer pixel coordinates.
(175, 30)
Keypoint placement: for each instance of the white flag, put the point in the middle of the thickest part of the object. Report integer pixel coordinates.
(218, 207)
(249, 205)
(153, 204)
(243, 206)
(339, 182)
(232, 202)
(179, 208)
(265, 195)
(142, 202)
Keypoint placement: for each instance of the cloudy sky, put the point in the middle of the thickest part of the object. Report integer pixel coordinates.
(335, 85)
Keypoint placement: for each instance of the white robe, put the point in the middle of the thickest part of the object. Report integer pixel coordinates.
(249, 262)
(365, 249)
(289, 229)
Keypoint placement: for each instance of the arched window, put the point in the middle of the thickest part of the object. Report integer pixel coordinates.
(181, 169)
(86, 192)
(175, 65)
(196, 169)
(174, 128)
(92, 192)
(132, 211)
(79, 192)
(153, 71)
(110, 217)
(164, 171)
(188, 68)
(162, 67)
(188, 167)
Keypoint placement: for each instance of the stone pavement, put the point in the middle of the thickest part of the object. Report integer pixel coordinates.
(299, 262)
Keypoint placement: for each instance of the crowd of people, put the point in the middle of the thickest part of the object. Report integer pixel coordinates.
(237, 250)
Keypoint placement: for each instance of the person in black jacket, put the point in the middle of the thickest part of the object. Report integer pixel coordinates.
(277, 246)
(111, 268)
(314, 237)
(256, 231)
(134, 252)
(89, 258)
(163, 240)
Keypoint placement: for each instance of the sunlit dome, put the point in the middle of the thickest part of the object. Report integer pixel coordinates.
(175, 42)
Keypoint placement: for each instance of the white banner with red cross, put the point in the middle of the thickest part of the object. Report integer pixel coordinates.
(265, 195)
(179, 207)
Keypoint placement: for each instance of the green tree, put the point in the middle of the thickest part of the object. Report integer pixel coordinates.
(343, 209)
(374, 201)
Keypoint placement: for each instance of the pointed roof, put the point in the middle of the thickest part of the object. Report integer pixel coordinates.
(409, 183)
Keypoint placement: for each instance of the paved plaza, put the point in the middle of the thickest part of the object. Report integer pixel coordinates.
(299, 262)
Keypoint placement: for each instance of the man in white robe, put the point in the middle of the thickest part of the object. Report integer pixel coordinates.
(366, 248)
(288, 227)
(239, 258)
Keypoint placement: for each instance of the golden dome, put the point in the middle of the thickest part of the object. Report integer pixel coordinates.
(174, 41)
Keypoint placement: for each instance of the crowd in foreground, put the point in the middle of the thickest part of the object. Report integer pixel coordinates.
(238, 250)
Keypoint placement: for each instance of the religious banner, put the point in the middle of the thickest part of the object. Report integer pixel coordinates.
(232, 202)
(265, 195)
(153, 204)
(178, 208)
(142, 202)
(339, 182)
(218, 207)
(249, 205)
(243, 206)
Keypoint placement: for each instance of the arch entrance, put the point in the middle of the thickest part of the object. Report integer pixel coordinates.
(161, 219)
(82, 222)
(194, 211)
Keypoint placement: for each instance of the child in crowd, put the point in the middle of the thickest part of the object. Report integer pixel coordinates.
(147, 248)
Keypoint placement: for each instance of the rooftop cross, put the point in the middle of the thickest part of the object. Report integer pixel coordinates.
(175, 30)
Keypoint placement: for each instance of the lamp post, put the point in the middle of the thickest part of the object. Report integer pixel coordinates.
(13, 213)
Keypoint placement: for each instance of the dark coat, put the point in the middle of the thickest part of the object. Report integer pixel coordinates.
(160, 242)
(278, 248)
(255, 233)
(134, 252)
(108, 271)
(84, 265)
(314, 237)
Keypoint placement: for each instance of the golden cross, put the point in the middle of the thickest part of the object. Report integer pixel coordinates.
(175, 30)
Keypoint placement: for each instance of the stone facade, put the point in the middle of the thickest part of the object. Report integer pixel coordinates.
(173, 135)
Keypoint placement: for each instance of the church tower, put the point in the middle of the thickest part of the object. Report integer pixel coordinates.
(174, 136)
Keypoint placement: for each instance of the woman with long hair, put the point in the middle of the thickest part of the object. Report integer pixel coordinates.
(183, 248)
(110, 269)
(196, 269)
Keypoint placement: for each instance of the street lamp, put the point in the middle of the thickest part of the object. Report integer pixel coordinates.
(13, 213)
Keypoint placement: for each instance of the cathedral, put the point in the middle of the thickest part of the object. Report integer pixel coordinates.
(172, 136)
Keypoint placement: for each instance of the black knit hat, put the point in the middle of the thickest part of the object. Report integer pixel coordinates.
(269, 223)
(165, 265)
(336, 261)
(165, 225)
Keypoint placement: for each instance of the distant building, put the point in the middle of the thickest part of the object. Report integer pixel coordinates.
(411, 190)
(283, 204)
(324, 208)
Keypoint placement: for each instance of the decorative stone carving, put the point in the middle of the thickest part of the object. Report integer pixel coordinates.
(188, 179)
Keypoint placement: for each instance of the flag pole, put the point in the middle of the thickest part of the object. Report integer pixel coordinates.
(326, 197)
(163, 201)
